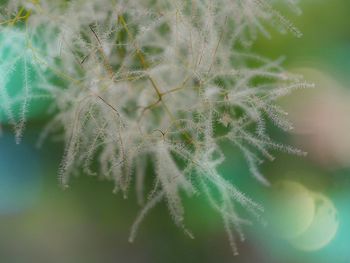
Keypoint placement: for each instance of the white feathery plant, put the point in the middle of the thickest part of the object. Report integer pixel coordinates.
(161, 81)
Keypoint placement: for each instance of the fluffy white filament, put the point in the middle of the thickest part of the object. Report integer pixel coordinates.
(166, 81)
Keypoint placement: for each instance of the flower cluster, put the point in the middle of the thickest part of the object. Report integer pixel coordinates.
(162, 83)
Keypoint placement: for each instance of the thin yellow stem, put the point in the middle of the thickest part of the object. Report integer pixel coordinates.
(154, 84)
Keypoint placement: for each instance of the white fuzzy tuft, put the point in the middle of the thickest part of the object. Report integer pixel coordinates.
(153, 80)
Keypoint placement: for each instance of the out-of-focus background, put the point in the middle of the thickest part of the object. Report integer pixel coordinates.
(309, 202)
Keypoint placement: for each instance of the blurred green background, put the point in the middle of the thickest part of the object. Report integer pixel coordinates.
(39, 222)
